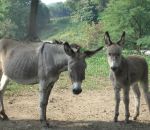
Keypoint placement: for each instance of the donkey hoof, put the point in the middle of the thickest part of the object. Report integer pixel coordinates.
(45, 125)
(4, 118)
(135, 118)
(1, 118)
(115, 119)
(127, 121)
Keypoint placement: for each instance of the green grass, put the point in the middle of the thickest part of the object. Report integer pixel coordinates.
(15, 88)
(68, 30)
(97, 76)
(97, 65)
(97, 72)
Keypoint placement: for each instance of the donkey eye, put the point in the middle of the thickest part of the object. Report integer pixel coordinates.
(109, 54)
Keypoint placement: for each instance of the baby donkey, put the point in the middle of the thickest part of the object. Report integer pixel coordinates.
(126, 72)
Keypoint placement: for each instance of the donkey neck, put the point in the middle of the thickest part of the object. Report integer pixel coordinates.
(59, 57)
(123, 67)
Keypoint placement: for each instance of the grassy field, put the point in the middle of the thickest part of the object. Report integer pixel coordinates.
(97, 76)
(73, 31)
(97, 72)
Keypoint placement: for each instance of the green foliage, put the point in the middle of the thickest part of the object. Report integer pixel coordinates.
(14, 17)
(84, 10)
(130, 16)
(92, 33)
(74, 32)
(18, 12)
(42, 16)
(59, 10)
(88, 12)
(5, 23)
(145, 42)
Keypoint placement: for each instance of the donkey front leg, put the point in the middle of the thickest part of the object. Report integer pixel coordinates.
(3, 84)
(126, 102)
(45, 90)
(117, 102)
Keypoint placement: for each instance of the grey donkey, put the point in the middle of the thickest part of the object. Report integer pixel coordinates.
(41, 63)
(125, 72)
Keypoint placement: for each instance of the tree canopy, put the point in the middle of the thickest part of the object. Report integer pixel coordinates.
(114, 16)
(130, 16)
(14, 18)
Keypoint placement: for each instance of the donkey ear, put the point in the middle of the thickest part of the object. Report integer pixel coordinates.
(87, 54)
(108, 42)
(122, 39)
(68, 50)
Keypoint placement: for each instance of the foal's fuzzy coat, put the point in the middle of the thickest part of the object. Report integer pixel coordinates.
(126, 72)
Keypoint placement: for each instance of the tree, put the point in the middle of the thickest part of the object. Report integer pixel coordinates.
(130, 16)
(14, 18)
(74, 4)
(85, 10)
(32, 31)
(43, 16)
(59, 10)
(18, 13)
(88, 12)
(6, 26)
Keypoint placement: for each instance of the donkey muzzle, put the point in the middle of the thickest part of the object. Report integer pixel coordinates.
(114, 68)
(77, 88)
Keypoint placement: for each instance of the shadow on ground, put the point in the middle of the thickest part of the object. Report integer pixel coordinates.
(72, 125)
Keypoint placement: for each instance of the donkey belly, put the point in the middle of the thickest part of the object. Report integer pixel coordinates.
(22, 68)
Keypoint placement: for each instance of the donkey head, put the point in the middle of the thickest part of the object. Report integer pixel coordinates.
(114, 51)
(77, 65)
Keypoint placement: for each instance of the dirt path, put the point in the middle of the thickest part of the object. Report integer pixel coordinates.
(91, 110)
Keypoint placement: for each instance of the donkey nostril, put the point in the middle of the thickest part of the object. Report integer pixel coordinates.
(114, 68)
(77, 91)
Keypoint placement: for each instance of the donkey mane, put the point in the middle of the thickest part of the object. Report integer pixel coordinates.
(59, 42)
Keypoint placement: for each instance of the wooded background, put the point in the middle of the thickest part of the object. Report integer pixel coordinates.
(82, 21)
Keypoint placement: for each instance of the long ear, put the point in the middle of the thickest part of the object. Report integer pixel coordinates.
(108, 42)
(122, 39)
(91, 53)
(68, 50)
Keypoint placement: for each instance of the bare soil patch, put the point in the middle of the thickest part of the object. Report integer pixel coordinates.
(91, 110)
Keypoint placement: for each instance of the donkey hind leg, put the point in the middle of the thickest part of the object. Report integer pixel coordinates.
(45, 91)
(3, 84)
(145, 88)
(126, 103)
(117, 102)
(137, 95)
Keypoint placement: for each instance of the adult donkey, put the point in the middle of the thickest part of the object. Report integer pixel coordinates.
(41, 63)
(126, 72)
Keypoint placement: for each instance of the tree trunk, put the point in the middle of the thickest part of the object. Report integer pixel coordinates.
(32, 30)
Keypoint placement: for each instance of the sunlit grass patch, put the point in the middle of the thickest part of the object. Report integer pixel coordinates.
(15, 88)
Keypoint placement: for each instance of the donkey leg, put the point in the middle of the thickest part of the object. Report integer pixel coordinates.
(45, 91)
(3, 84)
(137, 95)
(145, 88)
(117, 102)
(126, 102)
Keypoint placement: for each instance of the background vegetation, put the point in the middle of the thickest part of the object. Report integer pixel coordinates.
(87, 20)
(83, 22)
